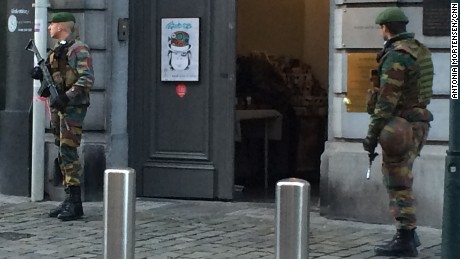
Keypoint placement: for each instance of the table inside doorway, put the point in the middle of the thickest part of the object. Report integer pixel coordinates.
(273, 122)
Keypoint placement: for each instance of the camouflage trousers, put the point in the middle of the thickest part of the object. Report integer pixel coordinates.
(67, 129)
(398, 178)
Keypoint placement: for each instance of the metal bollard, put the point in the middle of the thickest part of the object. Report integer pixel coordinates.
(292, 218)
(119, 213)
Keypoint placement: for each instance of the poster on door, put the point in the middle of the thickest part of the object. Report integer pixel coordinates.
(180, 49)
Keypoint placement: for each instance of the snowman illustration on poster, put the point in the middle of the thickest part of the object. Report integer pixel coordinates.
(180, 49)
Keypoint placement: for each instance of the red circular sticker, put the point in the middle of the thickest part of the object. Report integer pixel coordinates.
(181, 90)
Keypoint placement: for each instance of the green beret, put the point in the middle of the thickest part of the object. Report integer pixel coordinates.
(62, 17)
(392, 14)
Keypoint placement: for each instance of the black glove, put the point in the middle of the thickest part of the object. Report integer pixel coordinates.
(370, 143)
(46, 93)
(60, 102)
(36, 73)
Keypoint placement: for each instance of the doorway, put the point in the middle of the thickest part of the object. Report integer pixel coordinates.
(281, 94)
(181, 128)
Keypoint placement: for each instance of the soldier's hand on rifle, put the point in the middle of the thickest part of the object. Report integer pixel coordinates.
(60, 102)
(370, 143)
(36, 73)
(46, 93)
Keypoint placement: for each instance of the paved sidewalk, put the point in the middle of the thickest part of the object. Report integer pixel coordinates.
(167, 229)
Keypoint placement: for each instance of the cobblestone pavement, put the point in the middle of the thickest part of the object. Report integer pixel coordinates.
(167, 229)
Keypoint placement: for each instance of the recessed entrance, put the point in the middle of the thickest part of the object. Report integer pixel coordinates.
(281, 94)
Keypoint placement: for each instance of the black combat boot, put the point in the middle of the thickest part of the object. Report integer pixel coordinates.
(55, 212)
(403, 244)
(414, 234)
(73, 209)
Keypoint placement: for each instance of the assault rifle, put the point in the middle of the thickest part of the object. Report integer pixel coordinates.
(47, 82)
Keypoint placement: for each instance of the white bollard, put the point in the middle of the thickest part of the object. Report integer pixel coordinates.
(292, 218)
(119, 213)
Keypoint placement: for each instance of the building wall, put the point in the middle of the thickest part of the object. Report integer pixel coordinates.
(3, 35)
(316, 39)
(291, 28)
(275, 27)
(15, 96)
(345, 193)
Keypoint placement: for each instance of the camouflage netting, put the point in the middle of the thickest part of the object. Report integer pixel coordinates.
(276, 83)
(263, 82)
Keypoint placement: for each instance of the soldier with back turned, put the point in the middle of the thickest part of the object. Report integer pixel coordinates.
(400, 122)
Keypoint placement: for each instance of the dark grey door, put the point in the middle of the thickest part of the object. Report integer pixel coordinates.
(182, 146)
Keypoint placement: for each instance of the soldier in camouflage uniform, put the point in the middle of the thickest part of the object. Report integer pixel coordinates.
(70, 64)
(400, 122)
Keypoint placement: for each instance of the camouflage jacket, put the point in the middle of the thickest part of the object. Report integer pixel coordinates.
(399, 92)
(71, 66)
